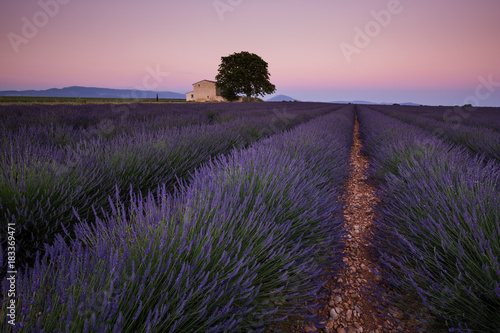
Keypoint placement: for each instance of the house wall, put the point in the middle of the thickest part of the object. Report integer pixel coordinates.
(190, 96)
(205, 91)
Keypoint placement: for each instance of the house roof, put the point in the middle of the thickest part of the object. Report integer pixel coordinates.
(204, 80)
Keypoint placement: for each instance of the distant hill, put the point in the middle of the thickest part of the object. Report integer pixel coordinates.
(89, 92)
(282, 98)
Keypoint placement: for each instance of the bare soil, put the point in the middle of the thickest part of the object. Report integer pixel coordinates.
(349, 307)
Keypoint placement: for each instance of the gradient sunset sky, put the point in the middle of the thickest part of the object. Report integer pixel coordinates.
(423, 51)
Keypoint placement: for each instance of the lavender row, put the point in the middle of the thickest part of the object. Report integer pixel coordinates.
(478, 140)
(62, 124)
(488, 117)
(41, 187)
(437, 235)
(240, 246)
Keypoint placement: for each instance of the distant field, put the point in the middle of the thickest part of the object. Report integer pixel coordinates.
(78, 100)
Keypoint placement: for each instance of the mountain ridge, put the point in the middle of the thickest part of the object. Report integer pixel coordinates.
(93, 92)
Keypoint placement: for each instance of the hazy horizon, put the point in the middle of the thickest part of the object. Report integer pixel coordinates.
(427, 52)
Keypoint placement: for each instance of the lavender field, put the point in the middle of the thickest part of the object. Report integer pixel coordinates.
(437, 235)
(227, 217)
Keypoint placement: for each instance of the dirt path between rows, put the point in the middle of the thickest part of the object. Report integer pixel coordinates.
(349, 309)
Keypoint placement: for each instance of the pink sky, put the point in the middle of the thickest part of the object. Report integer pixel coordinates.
(427, 51)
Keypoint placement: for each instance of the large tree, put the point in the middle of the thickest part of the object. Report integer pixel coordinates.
(243, 73)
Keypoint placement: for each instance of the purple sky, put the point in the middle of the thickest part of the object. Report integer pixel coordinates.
(424, 51)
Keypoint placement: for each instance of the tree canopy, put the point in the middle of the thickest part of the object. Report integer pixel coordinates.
(243, 73)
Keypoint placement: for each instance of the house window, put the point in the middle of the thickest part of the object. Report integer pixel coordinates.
(198, 84)
(208, 97)
(192, 95)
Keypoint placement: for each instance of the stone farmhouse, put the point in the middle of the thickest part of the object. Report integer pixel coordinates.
(205, 91)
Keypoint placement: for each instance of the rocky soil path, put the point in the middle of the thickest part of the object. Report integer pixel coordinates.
(349, 308)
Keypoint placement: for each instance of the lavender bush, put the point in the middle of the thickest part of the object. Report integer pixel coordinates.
(62, 125)
(478, 139)
(240, 245)
(469, 116)
(437, 235)
(42, 184)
